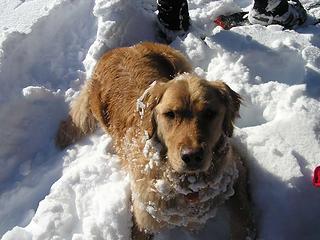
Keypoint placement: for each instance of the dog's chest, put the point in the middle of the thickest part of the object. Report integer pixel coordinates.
(188, 201)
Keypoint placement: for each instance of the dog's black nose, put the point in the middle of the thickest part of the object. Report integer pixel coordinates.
(192, 157)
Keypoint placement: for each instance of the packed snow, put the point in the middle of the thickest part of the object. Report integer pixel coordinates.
(49, 48)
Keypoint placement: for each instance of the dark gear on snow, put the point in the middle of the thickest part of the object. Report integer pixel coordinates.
(173, 14)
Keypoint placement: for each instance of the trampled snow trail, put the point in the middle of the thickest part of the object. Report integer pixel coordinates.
(81, 193)
(37, 59)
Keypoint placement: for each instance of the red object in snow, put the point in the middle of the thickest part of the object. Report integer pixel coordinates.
(233, 20)
(221, 23)
(316, 177)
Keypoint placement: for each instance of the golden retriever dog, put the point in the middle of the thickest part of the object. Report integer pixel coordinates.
(171, 130)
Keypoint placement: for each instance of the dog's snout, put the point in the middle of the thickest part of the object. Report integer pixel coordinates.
(192, 157)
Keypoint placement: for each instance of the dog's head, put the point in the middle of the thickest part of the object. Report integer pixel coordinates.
(189, 115)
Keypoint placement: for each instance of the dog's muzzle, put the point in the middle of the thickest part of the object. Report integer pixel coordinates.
(193, 158)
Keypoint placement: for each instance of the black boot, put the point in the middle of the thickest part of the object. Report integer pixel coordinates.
(173, 14)
(288, 14)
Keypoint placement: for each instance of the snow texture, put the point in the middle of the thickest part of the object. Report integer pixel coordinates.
(49, 48)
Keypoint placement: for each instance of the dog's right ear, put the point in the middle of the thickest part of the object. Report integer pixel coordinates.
(146, 105)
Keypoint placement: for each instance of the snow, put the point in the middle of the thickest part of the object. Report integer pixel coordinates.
(48, 48)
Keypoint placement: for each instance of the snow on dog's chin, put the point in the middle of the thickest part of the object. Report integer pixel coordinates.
(196, 196)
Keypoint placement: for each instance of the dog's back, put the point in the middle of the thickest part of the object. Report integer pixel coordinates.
(120, 78)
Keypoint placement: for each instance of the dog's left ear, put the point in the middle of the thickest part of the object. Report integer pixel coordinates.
(232, 101)
(146, 105)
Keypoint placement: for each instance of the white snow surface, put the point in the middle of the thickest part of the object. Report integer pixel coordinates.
(48, 49)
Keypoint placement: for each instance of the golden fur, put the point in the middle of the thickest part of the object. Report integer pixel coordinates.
(167, 124)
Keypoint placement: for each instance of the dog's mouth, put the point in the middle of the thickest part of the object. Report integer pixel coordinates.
(195, 169)
(193, 181)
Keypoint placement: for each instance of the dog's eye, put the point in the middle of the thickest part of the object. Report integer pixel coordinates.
(209, 113)
(170, 115)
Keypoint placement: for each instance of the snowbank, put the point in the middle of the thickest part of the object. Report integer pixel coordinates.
(39, 61)
(48, 48)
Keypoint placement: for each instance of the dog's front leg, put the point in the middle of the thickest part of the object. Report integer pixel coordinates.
(242, 223)
(143, 223)
(139, 234)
